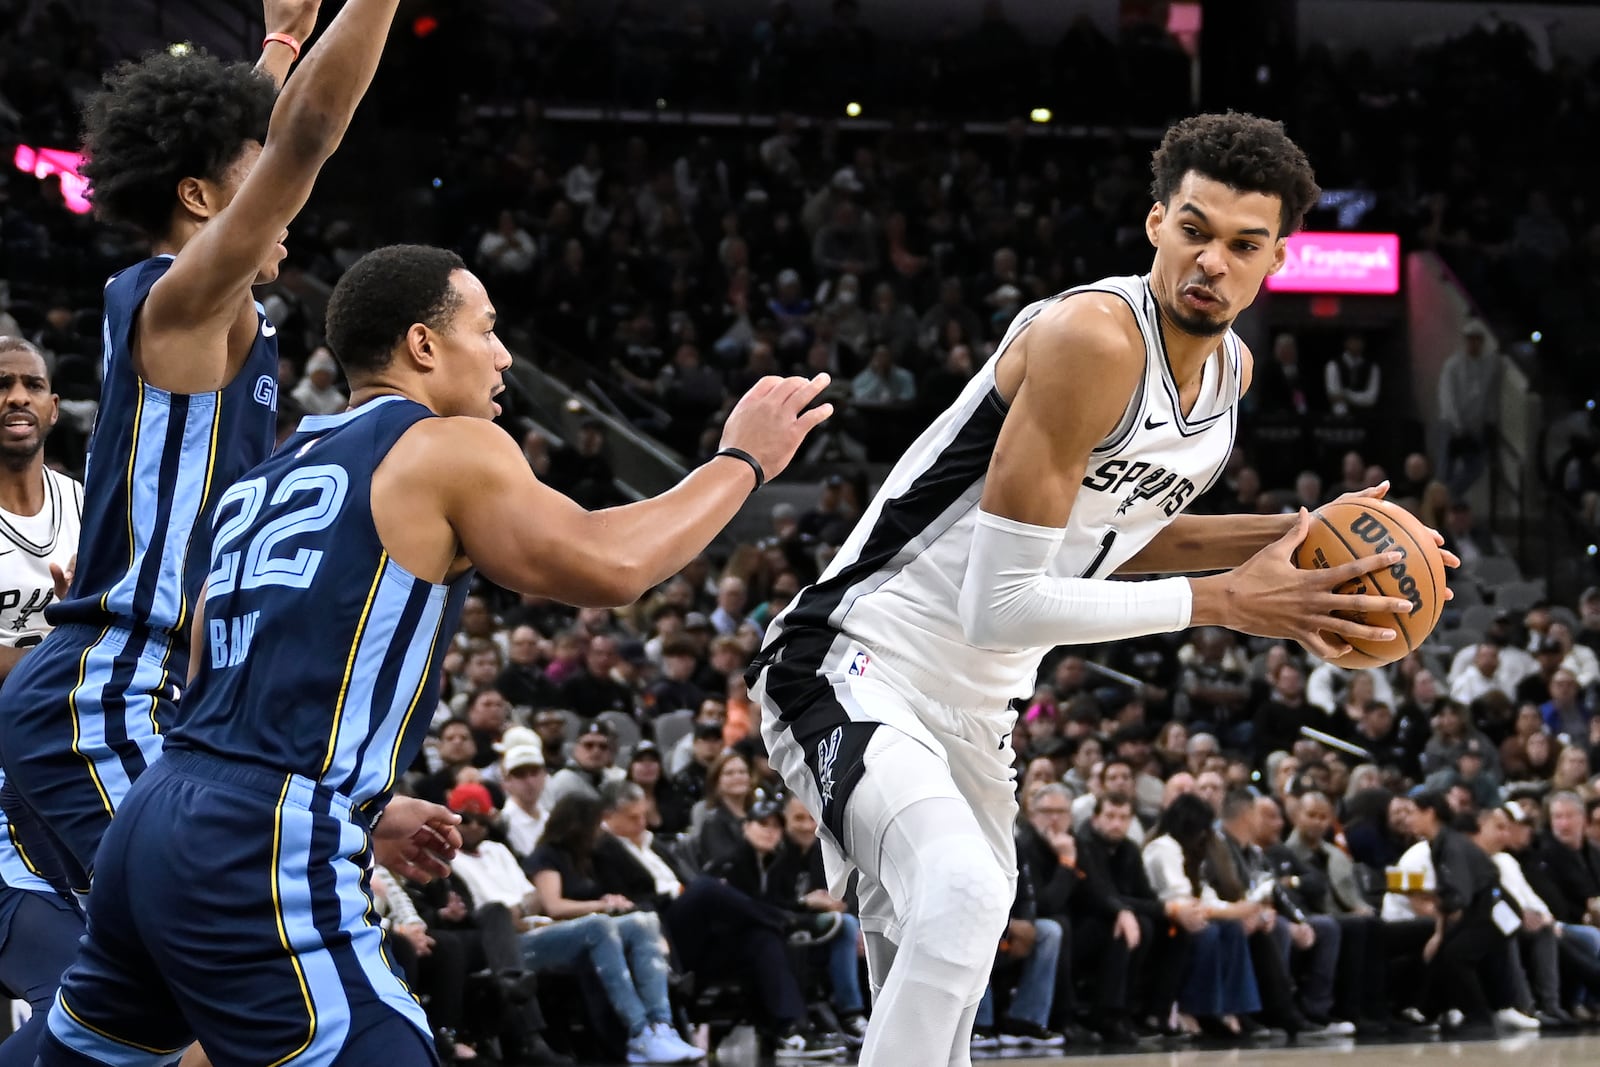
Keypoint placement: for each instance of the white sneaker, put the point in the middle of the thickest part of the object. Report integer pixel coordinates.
(1512, 1019)
(658, 1044)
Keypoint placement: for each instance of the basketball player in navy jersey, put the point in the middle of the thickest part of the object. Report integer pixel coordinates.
(338, 571)
(1068, 458)
(39, 515)
(175, 146)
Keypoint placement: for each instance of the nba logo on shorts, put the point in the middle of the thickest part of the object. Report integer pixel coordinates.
(858, 663)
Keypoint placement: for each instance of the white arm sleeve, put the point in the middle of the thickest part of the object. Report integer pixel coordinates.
(1009, 601)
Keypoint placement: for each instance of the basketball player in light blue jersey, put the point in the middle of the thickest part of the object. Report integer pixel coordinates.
(179, 147)
(338, 572)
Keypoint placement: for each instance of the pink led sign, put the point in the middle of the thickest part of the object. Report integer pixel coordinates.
(43, 162)
(1340, 263)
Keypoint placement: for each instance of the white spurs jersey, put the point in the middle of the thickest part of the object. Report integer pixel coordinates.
(28, 545)
(895, 584)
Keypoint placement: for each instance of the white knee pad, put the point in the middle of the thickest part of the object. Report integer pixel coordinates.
(959, 905)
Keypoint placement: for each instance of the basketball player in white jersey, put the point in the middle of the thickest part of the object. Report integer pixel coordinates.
(1068, 458)
(40, 512)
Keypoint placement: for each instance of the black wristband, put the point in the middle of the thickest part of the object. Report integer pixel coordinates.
(739, 453)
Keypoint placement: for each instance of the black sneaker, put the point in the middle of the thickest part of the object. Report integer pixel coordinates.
(815, 928)
(853, 1028)
(800, 1044)
(1014, 1033)
(1117, 1032)
(985, 1037)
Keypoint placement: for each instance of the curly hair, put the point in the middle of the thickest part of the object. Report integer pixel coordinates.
(382, 295)
(1244, 152)
(163, 119)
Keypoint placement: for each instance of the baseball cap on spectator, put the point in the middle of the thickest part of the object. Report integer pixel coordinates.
(633, 652)
(470, 798)
(520, 747)
(764, 808)
(696, 620)
(1472, 748)
(645, 750)
(594, 728)
(705, 731)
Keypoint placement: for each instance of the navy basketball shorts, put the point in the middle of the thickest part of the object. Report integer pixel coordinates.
(231, 906)
(83, 718)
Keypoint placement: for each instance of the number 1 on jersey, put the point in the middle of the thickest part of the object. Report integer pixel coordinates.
(1100, 556)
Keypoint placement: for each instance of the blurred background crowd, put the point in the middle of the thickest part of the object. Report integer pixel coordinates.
(667, 202)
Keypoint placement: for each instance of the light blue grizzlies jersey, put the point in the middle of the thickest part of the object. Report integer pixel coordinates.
(321, 654)
(157, 463)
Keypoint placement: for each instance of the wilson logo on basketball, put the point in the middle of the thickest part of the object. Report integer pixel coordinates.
(1371, 530)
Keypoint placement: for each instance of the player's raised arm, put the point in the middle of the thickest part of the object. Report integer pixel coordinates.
(1079, 367)
(204, 295)
(292, 19)
(526, 536)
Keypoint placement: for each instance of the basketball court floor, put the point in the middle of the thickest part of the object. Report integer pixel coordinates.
(1523, 1050)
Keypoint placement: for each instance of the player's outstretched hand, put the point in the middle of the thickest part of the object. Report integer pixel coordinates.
(771, 421)
(1269, 596)
(416, 839)
(297, 18)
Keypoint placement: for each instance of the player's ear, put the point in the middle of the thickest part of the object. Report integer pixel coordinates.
(419, 343)
(197, 197)
(1280, 252)
(1152, 223)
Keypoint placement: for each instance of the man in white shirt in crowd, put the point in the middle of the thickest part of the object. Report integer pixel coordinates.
(523, 775)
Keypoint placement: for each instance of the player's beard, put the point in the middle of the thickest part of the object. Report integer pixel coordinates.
(18, 454)
(1195, 325)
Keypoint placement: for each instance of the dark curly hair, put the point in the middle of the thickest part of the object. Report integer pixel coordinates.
(1243, 152)
(163, 119)
(384, 294)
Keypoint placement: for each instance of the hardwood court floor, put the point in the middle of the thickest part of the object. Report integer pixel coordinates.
(1561, 1050)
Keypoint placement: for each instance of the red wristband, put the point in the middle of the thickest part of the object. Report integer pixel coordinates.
(284, 39)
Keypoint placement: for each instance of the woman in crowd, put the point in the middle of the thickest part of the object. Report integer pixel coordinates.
(1220, 984)
(667, 814)
(718, 820)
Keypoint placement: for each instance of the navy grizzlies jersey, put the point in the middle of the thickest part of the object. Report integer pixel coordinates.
(157, 463)
(321, 654)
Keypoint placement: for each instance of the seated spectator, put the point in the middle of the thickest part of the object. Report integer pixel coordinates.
(1219, 984)
(1535, 967)
(479, 670)
(524, 776)
(716, 930)
(666, 812)
(456, 750)
(718, 819)
(523, 680)
(1116, 778)
(1567, 712)
(592, 689)
(589, 768)
(317, 394)
(676, 688)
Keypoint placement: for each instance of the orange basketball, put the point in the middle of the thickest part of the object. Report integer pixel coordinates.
(1344, 531)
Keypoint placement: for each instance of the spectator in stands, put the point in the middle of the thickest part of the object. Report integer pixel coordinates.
(487, 714)
(317, 393)
(1027, 963)
(1567, 712)
(1535, 688)
(718, 819)
(666, 812)
(1579, 659)
(524, 777)
(622, 944)
(523, 680)
(1465, 537)
(592, 689)
(883, 386)
(1352, 380)
(1219, 984)
(1281, 388)
(718, 932)
(732, 600)
(583, 470)
(456, 750)
(1215, 681)
(1483, 677)
(589, 768)
(1537, 981)
(505, 253)
(675, 689)
(1469, 406)
(1589, 619)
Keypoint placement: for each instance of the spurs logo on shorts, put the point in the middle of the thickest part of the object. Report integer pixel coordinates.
(827, 755)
